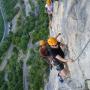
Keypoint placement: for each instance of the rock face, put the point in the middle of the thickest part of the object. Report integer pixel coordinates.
(76, 24)
(72, 19)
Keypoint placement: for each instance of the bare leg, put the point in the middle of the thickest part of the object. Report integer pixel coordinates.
(62, 73)
(66, 69)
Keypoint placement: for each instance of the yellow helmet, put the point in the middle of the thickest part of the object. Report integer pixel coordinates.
(52, 41)
(42, 42)
(48, 2)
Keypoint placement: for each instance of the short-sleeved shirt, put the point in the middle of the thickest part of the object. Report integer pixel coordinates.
(57, 51)
(54, 53)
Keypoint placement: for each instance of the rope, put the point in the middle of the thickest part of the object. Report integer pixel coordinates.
(86, 43)
(77, 59)
(82, 50)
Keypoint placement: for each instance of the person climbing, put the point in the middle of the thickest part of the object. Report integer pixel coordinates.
(58, 56)
(64, 48)
(49, 7)
(43, 50)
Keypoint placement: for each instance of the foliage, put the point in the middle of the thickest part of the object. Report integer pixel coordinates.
(1, 27)
(14, 75)
(2, 82)
(37, 71)
(21, 38)
(9, 6)
(5, 45)
(0, 60)
(32, 5)
(38, 27)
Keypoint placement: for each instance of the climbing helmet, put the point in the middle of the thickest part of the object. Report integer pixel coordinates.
(52, 41)
(42, 42)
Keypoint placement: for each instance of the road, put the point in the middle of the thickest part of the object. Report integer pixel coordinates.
(5, 60)
(5, 34)
(27, 7)
(36, 7)
(6, 28)
(25, 71)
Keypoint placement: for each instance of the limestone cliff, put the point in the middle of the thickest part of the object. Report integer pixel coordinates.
(72, 19)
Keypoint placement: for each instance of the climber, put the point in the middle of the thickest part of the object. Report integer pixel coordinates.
(43, 50)
(49, 7)
(58, 56)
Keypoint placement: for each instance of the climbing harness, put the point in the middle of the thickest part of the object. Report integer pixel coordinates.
(60, 78)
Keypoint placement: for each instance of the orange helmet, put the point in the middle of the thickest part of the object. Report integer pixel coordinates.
(48, 2)
(52, 41)
(42, 42)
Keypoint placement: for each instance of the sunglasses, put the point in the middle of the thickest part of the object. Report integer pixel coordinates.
(54, 45)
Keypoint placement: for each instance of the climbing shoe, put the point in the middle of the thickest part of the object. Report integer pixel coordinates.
(60, 78)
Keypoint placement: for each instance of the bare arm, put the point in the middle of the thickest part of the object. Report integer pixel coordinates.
(64, 60)
(57, 35)
(61, 59)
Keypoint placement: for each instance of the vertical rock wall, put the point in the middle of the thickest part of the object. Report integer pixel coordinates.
(76, 26)
(72, 19)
